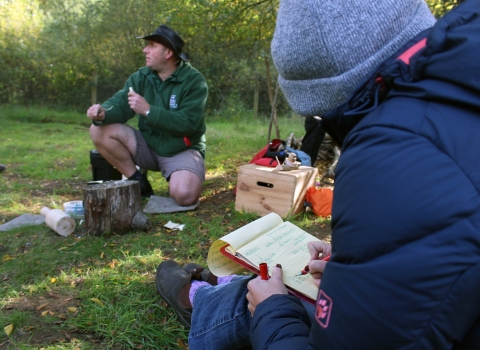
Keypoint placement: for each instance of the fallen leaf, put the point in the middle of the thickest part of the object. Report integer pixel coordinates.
(41, 306)
(45, 313)
(53, 280)
(72, 309)
(98, 301)
(113, 263)
(8, 329)
(181, 344)
(102, 255)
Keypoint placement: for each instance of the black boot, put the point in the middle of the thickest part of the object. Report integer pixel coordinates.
(145, 187)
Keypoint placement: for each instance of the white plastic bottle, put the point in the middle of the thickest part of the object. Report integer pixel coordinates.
(57, 220)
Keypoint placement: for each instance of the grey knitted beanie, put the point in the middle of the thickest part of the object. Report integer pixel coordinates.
(322, 49)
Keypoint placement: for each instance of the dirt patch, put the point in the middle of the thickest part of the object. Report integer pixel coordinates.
(52, 301)
(46, 317)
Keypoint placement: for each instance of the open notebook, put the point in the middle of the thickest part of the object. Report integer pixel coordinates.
(271, 240)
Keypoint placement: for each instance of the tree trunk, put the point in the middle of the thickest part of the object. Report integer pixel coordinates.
(273, 102)
(256, 94)
(94, 89)
(113, 206)
(273, 118)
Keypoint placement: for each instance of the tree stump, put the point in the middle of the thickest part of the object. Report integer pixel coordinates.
(113, 206)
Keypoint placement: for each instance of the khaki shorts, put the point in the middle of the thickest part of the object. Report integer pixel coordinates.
(146, 158)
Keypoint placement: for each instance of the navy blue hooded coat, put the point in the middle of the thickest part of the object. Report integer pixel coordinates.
(405, 268)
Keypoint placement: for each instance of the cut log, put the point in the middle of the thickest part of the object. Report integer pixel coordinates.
(113, 206)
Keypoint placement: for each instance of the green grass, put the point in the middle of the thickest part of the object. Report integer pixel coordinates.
(85, 292)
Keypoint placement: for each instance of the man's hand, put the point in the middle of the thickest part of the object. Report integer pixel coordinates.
(96, 112)
(318, 250)
(259, 290)
(137, 103)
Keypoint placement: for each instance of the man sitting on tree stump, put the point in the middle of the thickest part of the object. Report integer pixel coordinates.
(169, 96)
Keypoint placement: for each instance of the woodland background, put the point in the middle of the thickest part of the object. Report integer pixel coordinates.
(66, 54)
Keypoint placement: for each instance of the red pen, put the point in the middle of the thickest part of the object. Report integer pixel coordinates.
(264, 271)
(306, 269)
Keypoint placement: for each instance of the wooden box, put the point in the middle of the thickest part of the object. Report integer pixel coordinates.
(264, 190)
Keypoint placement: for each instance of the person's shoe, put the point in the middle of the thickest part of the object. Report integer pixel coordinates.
(173, 284)
(2, 167)
(145, 187)
(199, 273)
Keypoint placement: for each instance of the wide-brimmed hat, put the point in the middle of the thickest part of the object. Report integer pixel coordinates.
(169, 38)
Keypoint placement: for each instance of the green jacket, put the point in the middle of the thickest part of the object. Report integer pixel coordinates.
(176, 112)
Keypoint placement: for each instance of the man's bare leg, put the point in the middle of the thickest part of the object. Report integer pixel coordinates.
(185, 187)
(117, 144)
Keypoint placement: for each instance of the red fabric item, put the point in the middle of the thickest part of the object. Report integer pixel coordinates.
(260, 158)
(321, 200)
(267, 162)
(259, 155)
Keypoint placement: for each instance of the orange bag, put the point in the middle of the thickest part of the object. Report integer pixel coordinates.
(320, 200)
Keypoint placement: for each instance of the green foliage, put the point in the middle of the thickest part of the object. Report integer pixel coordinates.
(63, 48)
(441, 7)
(56, 52)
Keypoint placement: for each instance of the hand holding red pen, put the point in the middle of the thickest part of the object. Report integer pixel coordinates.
(319, 251)
(259, 290)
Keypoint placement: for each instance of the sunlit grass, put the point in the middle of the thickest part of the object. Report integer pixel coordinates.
(100, 291)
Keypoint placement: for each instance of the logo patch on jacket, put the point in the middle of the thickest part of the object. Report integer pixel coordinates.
(173, 101)
(324, 309)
